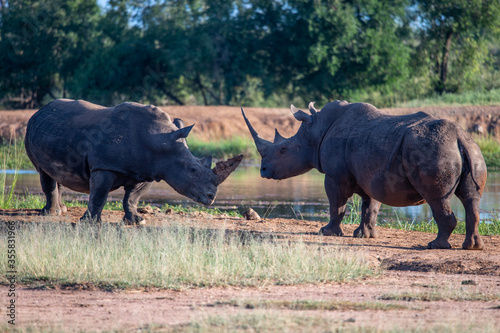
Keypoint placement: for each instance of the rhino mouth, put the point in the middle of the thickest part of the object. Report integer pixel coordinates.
(206, 199)
(268, 174)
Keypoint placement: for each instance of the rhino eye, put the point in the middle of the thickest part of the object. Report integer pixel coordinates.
(193, 170)
(283, 150)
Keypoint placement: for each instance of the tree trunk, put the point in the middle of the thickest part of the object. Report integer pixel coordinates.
(443, 71)
(202, 88)
(170, 95)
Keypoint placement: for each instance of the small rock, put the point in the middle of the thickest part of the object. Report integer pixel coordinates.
(169, 211)
(251, 214)
(469, 282)
(146, 210)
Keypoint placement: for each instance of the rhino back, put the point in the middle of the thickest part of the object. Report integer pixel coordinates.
(365, 144)
(68, 139)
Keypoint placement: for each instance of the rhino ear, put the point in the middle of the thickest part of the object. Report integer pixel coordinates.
(300, 115)
(181, 133)
(207, 162)
(179, 123)
(312, 109)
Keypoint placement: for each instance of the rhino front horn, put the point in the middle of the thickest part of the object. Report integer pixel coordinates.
(260, 143)
(224, 168)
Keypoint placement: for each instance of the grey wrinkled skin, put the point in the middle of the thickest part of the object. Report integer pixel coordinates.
(395, 160)
(92, 149)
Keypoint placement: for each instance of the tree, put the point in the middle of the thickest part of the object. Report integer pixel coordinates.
(42, 41)
(458, 25)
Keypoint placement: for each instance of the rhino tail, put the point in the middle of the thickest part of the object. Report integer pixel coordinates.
(465, 147)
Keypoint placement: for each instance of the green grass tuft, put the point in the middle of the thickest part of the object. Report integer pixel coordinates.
(490, 97)
(309, 305)
(490, 148)
(14, 157)
(224, 148)
(491, 227)
(440, 296)
(264, 321)
(11, 157)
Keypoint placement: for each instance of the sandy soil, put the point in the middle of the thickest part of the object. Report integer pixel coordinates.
(408, 267)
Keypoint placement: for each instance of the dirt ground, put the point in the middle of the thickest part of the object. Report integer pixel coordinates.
(407, 267)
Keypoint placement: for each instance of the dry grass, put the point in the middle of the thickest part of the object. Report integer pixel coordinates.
(273, 322)
(174, 257)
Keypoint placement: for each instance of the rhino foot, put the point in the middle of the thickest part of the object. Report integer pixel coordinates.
(335, 231)
(473, 243)
(439, 244)
(134, 220)
(365, 233)
(89, 220)
(50, 211)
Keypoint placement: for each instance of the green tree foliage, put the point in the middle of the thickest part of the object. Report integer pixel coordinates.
(41, 43)
(250, 52)
(453, 38)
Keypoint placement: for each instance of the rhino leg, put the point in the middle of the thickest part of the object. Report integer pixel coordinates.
(369, 212)
(446, 222)
(473, 240)
(51, 190)
(130, 200)
(101, 183)
(64, 209)
(337, 197)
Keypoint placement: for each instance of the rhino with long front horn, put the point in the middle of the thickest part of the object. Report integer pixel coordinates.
(395, 160)
(92, 149)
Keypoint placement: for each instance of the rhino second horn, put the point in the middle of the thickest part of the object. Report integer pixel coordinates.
(277, 136)
(224, 168)
(260, 143)
(207, 161)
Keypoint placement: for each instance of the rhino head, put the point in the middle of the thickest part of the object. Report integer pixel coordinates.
(285, 158)
(188, 175)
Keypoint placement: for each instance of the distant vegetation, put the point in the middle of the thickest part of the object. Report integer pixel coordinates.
(491, 151)
(224, 148)
(477, 97)
(248, 52)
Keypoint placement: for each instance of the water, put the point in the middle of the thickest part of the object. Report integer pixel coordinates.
(299, 197)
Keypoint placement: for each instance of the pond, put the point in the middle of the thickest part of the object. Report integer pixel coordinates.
(300, 197)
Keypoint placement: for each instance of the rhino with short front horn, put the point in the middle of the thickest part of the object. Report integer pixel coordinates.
(93, 149)
(395, 160)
